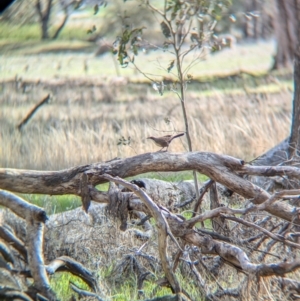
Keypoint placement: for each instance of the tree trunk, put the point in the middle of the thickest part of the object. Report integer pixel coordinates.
(294, 142)
(44, 16)
(45, 34)
(285, 32)
(294, 137)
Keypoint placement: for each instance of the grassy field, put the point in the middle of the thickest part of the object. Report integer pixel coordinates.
(87, 117)
(95, 103)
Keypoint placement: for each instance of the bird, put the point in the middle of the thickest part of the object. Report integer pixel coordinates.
(164, 141)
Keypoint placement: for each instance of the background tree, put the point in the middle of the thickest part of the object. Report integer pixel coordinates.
(44, 9)
(294, 140)
(285, 27)
(43, 12)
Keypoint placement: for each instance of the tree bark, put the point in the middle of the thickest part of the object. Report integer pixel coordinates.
(35, 218)
(294, 142)
(285, 32)
(44, 17)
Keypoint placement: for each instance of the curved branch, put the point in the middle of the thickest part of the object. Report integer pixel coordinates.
(268, 233)
(220, 168)
(13, 241)
(236, 257)
(83, 293)
(65, 263)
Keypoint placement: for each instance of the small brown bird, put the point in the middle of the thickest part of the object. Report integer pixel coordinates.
(164, 141)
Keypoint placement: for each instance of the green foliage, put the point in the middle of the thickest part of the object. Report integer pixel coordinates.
(32, 32)
(128, 39)
(124, 141)
(96, 9)
(165, 29)
(90, 31)
(170, 67)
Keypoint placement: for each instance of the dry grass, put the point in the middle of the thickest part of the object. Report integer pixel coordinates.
(84, 123)
(92, 109)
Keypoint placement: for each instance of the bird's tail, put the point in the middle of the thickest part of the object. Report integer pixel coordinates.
(176, 136)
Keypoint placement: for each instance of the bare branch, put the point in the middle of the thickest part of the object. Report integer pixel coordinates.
(35, 218)
(203, 190)
(270, 171)
(15, 242)
(83, 293)
(65, 263)
(45, 100)
(270, 234)
(219, 168)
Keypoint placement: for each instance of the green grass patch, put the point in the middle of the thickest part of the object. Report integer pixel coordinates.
(124, 292)
(172, 176)
(188, 215)
(128, 289)
(53, 204)
(103, 187)
(15, 32)
(32, 32)
(59, 282)
(33, 47)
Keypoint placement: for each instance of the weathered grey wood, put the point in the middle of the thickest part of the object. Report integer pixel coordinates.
(220, 168)
(65, 263)
(68, 181)
(35, 218)
(14, 241)
(169, 194)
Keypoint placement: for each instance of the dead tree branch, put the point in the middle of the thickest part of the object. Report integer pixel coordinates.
(220, 168)
(35, 218)
(65, 263)
(32, 112)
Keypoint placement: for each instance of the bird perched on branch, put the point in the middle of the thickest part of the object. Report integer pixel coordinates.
(164, 141)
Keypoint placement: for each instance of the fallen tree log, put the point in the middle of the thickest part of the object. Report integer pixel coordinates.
(223, 169)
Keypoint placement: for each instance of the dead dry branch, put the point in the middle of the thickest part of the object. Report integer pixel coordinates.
(32, 251)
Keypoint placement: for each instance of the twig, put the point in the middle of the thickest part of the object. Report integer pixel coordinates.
(203, 191)
(33, 110)
(270, 234)
(83, 293)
